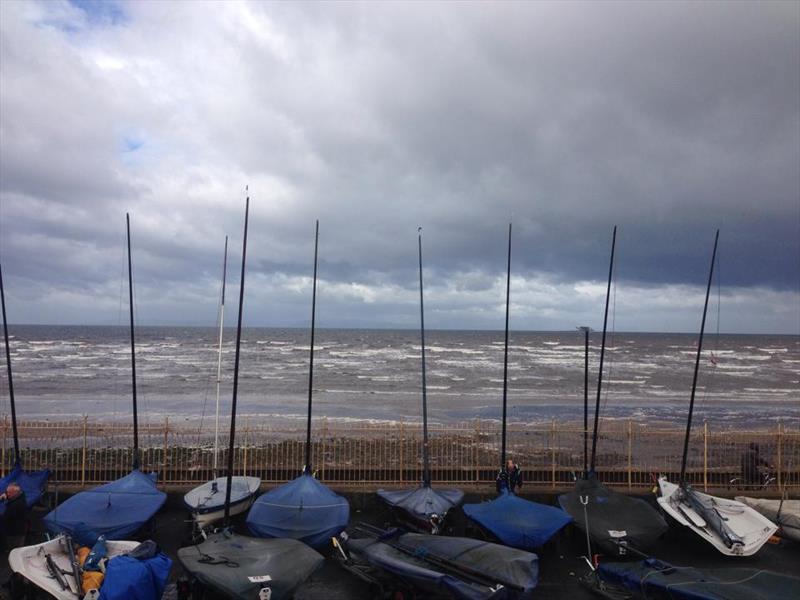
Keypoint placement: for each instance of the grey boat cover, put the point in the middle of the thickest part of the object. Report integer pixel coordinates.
(229, 563)
(785, 514)
(416, 564)
(423, 505)
(654, 579)
(615, 520)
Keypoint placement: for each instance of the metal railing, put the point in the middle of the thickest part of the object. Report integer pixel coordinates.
(368, 455)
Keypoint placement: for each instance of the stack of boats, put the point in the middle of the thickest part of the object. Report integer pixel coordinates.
(291, 523)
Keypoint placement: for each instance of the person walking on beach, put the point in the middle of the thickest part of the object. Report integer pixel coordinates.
(509, 478)
(751, 465)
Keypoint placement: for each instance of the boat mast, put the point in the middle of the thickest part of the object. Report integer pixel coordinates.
(232, 436)
(307, 467)
(8, 365)
(603, 350)
(426, 466)
(133, 349)
(505, 355)
(585, 331)
(697, 362)
(219, 358)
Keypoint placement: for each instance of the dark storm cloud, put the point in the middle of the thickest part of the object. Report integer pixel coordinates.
(668, 119)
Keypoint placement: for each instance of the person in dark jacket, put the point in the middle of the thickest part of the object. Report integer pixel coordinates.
(12, 522)
(509, 478)
(751, 464)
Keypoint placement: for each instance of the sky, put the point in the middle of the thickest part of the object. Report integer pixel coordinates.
(669, 120)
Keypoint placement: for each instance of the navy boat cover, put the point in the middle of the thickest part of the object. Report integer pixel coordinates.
(116, 510)
(518, 522)
(422, 503)
(238, 565)
(303, 509)
(431, 564)
(615, 520)
(129, 578)
(32, 483)
(656, 579)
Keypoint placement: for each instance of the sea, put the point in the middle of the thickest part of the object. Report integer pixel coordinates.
(65, 372)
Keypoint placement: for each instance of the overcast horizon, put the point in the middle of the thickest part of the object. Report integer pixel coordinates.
(668, 119)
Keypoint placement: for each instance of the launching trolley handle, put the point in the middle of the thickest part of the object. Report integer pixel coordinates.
(468, 573)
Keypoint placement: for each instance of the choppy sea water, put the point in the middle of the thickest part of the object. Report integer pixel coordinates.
(67, 371)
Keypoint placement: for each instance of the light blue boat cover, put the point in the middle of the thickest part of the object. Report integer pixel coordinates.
(494, 562)
(423, 502)
(518, 522)
(303, 509)
(116, 510)
(136, 579)
(32, 483)
(653, 578)
(209, 497)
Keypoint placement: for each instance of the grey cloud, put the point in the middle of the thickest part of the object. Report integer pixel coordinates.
(669, 119)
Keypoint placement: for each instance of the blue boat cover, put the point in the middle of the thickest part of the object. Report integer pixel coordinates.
(423, 503)
(518, 522)
(32, 483)
(653, 578)
(116, 510)
(303, 509)
(432, 563)
(128, 578)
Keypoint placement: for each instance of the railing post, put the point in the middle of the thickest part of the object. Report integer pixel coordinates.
(323, 445)
(3, 457)
(476, 444)
(779, 466)
(553, 451)
(244, 449)
(705, 456)
(402, 448)
(630, 454)
(164, 463)
(84, 450)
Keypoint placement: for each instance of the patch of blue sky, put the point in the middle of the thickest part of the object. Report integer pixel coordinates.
(131, 143)
(102, 12)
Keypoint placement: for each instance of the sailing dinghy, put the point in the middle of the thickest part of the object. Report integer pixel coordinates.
(40, 563)
(731, 527)
(612, 521)
(120, 508)
(239, 566)
(784, 513)
(439, 566)
(32, 483)
(206, 502)
(652, 578)
(422, 509)
(513, 520)
(304, 508)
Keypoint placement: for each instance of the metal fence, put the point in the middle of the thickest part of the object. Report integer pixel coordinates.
(366, 455)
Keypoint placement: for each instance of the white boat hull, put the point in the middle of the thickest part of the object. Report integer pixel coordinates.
(31, 563)
(788, 519)
(748, 525)
(207, 504)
